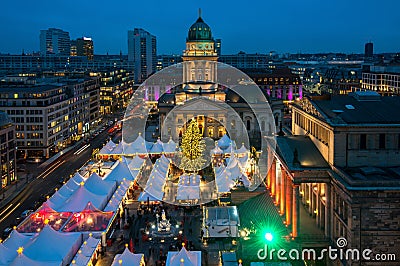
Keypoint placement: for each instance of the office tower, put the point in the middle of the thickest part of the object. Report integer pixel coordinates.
(54, 42)
(142, 51)
(369, 50)
(84, 47)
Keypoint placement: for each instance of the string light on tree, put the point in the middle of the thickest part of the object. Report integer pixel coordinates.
(193, 147)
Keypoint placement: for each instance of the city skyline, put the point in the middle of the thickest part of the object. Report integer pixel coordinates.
(284, 26)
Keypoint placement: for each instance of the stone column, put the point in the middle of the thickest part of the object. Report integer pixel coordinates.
(282, 191)
(278, 186)
(317, 207)
(310, 198)
(273, 177)
(296, 212)
(327, 209)
(289, 200)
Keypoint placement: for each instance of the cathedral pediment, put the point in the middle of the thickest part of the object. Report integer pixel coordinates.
(201, 105)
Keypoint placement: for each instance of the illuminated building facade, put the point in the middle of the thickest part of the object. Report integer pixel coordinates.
(385, 80)
(142, 51)
(116, 88)
(51, 113)
(54, 42)
(84, 47)
(337, 172)
(7, 150)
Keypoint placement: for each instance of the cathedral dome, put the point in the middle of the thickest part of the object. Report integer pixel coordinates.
(199, 31)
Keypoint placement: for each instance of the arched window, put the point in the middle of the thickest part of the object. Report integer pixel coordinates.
(248, 125)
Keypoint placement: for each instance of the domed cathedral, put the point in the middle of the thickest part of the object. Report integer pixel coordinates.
(217, 109)
(200, 76)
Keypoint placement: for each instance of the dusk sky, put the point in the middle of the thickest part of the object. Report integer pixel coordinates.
(284, 26)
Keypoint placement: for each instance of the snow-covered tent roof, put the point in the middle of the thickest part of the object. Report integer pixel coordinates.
(97, 185)
(80, 198)
(52, 246)
(128, 258)
(16, 240)
(184, 258)
(224, 142)
(139, 146)
(170, 147)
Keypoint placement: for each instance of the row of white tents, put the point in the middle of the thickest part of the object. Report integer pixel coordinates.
(140, 146)
(47, 246)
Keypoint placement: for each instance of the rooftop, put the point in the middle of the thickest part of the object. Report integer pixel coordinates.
(307, 157)
(4, 119)
(360, 108)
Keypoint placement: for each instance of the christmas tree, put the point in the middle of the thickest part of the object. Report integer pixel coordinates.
(193, 147)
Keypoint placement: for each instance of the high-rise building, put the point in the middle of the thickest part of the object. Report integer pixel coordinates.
(142, 51)
(7, 151)
(84, 47)
(369, 50)
(54, 42)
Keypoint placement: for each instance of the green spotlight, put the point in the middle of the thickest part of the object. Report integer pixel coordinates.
(268, 236)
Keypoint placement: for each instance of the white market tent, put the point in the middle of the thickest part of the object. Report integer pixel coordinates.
(22, 260)
(80, 260)
(144, 196)
(224, 182)
(119, 171)
(117, 150)
(170, 147)
(139, 146)
(155, 183)
(7, 255)
(78, 201)
(97, 185)
(16, 240)
(224, 142)
(184, 258)
(157, 147)
(242, 150)
(231, 148)
(136, 163)
(128, 258)
(52, 246)
(188, 187)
